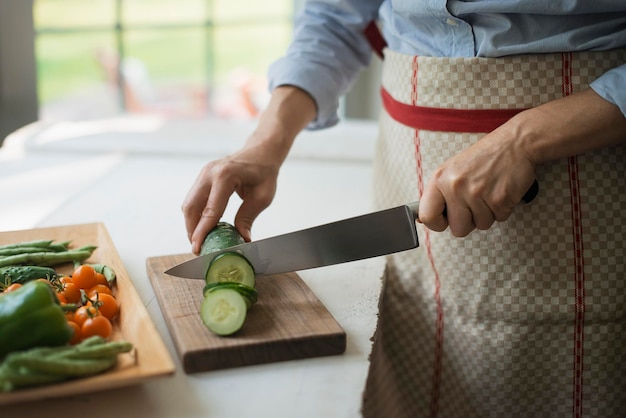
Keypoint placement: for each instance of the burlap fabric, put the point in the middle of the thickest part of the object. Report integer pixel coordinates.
(527, 319)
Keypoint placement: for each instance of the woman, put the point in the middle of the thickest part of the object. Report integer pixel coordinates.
(516, 310)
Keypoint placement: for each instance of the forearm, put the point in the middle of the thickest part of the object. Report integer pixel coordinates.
(574, 125)
(289, 111)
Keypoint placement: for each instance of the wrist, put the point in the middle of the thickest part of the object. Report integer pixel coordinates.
(573, 125)
(290, 110)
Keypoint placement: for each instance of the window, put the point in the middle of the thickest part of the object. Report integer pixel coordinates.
(99, 58)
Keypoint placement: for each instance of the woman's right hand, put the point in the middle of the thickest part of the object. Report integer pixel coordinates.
(246, 173)
(251, 172)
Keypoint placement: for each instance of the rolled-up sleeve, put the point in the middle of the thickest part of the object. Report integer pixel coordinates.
(611, 86)
(328, 51)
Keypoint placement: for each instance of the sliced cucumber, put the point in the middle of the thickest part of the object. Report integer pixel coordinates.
(249, 294)
(230, 267)
(230, 282)
(223, 311)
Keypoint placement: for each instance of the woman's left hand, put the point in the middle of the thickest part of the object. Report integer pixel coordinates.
(482, 184)
(479, 186)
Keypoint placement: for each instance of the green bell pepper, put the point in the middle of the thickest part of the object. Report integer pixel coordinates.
(32, 316)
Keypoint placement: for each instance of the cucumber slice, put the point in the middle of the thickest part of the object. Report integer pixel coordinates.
(230, 267)
(249, 294)
(223, 311)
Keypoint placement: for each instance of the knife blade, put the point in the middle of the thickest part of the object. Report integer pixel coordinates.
(365, 236)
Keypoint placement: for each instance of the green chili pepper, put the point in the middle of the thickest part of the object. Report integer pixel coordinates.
(31, 316)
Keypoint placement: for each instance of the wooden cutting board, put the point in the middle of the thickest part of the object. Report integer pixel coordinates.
(288, 322)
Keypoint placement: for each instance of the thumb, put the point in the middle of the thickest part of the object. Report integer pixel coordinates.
(432, 210)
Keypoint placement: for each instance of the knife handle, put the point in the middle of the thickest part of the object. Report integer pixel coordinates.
(528, 197)
(531, 193)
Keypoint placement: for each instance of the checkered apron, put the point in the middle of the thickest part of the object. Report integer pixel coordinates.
(528, 318)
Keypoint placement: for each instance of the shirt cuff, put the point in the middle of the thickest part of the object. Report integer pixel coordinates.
(611, 87)
(283, 72)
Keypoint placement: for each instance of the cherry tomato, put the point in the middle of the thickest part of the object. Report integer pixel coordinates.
(61, 298)
(12, 287)
(101, 279)
(65, 279)
(77, 336)
(107, 305)
(70, 292)
(98, 325)
(84, 277)
(84, 313)
(69, 315)
(100, 289)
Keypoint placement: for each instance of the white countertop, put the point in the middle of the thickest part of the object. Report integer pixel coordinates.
(132, 174)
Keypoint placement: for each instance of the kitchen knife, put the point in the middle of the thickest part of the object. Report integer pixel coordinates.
(379, 233)
(375, 234)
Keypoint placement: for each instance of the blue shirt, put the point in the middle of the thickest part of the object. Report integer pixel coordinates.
(329, 49)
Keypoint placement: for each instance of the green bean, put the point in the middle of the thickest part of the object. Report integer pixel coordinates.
(35, 243)
(14, 378)
(4, 252)
(108, 349)
(37, 352)
(89, 341)
(47, 259)
(63, 366)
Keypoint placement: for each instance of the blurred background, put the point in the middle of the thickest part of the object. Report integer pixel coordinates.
(91, 59)
(189, 57)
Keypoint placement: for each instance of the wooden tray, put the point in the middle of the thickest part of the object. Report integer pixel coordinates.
(150, 358)
(288, 322)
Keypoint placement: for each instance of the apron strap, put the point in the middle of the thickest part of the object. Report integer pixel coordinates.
(375, 38)
(444, 119)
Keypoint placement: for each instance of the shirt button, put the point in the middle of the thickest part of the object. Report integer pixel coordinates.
(450, 22)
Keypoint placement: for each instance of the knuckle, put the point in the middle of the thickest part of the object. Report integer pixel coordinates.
(209, 212)
(187, 207)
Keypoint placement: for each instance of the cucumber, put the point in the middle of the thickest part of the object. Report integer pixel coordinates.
(224, 235)
(249, 294)
(230, 266)
(223, 311)
(23, 274)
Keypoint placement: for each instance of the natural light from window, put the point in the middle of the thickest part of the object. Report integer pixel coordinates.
(179, 58)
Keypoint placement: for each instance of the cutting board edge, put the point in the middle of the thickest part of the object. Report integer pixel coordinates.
(197, 361)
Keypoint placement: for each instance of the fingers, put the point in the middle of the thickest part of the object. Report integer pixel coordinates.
(196, 200)
(462, 208)
(204, 205)
(432, 209)
(247, 213)
(208, 198)
(438, 214)
(212, 212)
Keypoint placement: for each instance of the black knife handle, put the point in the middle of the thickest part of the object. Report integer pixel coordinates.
(531, 193)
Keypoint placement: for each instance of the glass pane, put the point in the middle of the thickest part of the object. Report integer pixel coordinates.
(233, 10)
(73, 13)
(252, 46)
(163, 11)
(73, 80)
(166, 70)
(242, 56)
